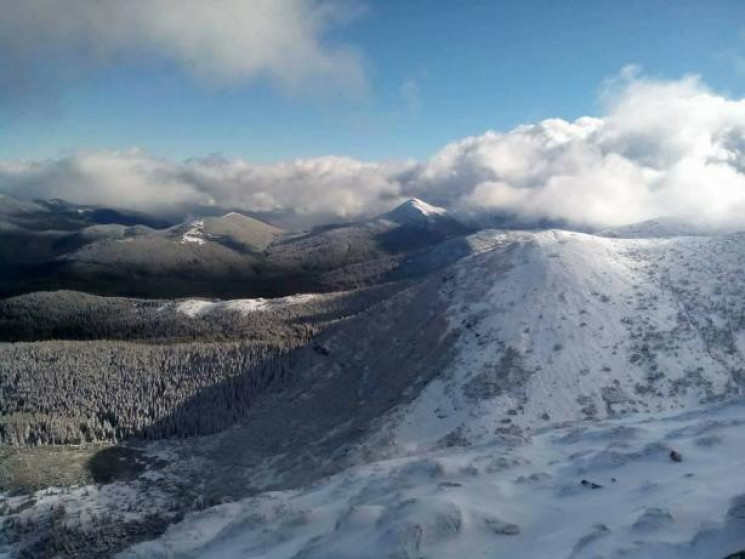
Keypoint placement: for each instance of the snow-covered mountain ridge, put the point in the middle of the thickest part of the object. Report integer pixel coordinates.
(558, 326)
(665, 227)
(460, 415)
(572, 413)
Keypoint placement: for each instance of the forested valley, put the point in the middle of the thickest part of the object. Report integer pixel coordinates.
(84, 368)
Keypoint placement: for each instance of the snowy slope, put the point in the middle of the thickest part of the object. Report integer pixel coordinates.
(563, 357)
(531, 331)
(558, 326)
(194, 234)
(461, 415)
(664, 227)
(200, 307)
(505, 500)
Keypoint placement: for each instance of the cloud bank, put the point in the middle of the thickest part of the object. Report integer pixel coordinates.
(220, 42)
(661, 148)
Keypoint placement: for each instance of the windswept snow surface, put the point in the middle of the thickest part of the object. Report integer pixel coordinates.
(510, 498)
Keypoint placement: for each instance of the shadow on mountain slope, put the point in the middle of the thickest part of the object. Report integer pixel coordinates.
(328, 397)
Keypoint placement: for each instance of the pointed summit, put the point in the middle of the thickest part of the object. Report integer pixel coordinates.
(423, 207)
(415, 210)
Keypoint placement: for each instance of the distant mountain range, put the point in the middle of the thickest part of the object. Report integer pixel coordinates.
(47, 244)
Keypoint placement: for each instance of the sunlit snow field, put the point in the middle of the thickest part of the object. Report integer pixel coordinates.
(510, 498)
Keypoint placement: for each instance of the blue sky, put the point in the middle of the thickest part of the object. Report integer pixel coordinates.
(435, 72)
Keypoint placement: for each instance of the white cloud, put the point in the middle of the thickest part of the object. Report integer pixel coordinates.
(662, 148)
(304, 192)
(131, 179)
(218, 41)
(313, 191)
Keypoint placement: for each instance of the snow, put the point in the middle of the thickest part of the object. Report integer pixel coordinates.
(425, 208)
(194, 234)
(192, 307)
(505, 499)
(199, 307)
(84, 507)
(558, 326)
(665, 227)
(580, 364)
(415, 210)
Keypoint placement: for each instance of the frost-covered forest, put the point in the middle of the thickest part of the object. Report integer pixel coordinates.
(75, 392)
(111, 369)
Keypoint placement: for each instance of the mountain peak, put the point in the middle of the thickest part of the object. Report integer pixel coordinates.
(414, 209)
(423, 207)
